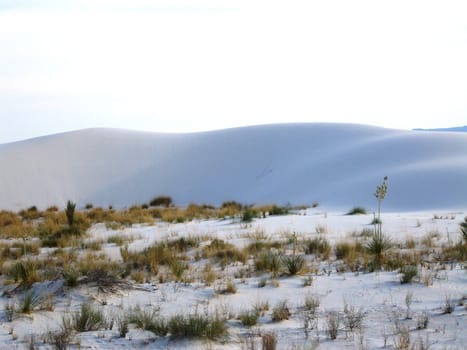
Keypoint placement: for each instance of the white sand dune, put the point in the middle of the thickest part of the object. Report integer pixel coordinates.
(337, 165)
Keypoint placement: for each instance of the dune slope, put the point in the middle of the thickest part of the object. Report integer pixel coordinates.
(337, 165)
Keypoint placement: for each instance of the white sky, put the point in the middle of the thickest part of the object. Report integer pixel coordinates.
(172, 65)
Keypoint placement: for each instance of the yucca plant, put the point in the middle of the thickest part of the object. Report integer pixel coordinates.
(70, 213)
(377, 246)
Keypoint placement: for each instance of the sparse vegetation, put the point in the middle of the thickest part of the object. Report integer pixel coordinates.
(357, 211)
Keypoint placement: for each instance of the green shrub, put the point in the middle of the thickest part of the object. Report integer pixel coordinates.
(270, 261)
(70, 213)
(377, 246)
(28, 302)
(408, 273)
(25, 273)
(161, 201)
(318, 246)
(196, 326)
(248, 318)
(280, 312)
(356, 211)
(116, 239)
(87, 319)
(148, 319)
(248, 215)
(71, 275)
(294, 263)
(275, 210)
(342, 250)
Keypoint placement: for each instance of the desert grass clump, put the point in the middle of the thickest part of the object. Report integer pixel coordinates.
(209, 275)
(294, 263)
(228, 288)
(248, 318)
(224, 252)
(197, 326)
(177, 268)
(25, 273)
(87, 319)
(356, 211)
(333, 323)
(28, 302)
(280, 312)
(270, 261)
(318, 246)
(59, 339)
(408, 273)
(116, 239)
(148, 319)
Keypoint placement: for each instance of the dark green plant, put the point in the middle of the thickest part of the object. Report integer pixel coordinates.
(248, 215)
(249, 318)
(408, 273)
(148, 319)
(356, 211)
(70, 213)
(28, 302)
(377, 246)
(165, 201)
(294, 263)
(25, 273)
(87, 319)
(196, 326)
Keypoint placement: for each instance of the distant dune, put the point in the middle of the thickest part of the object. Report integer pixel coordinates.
(456, 128)
(337, 165)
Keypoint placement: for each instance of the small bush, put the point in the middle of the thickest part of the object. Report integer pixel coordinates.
(196, 326)
(356, 211)
(71, 276)
(294, 264)
(280, 312)
(248, 215)
(28, 302)
(318, 246)
(87, 319)
(275, 210)
(271, 261)
(161, 201)
(148, 319)
(248, 318)
(116, 239)
(227, 288)
(25, 273)
(408, 273)
(333, 322)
